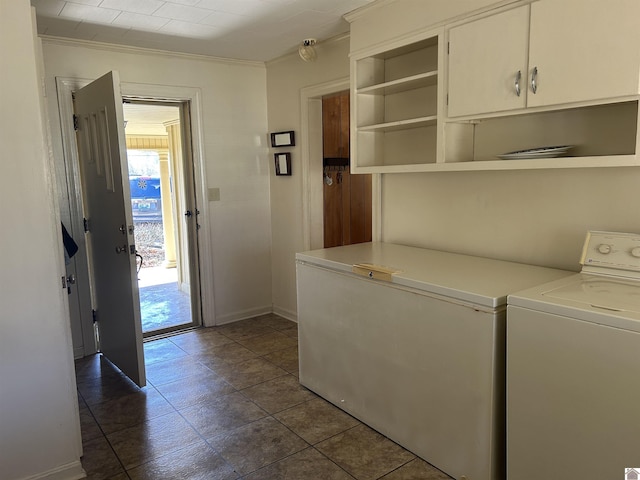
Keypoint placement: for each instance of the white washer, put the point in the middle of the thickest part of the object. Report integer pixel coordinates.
(573, 368)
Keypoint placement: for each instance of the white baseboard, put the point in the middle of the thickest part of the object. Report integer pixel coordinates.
(288, 314)
(242, 315)
(70, 471)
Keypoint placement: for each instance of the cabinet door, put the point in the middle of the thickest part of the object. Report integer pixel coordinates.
(485, 57)
(584, 50)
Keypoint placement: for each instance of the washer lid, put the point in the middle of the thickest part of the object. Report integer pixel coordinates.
(613, 302)
(604, 293)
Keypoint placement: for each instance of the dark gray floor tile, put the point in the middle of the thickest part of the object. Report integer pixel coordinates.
(169, 371)
(257, 444)
(196, 462)
(269, 342)
(307, 464)
(417, 469)
(316, 420)
(99, 460)
(200, 340)
(364, 453)
(195, 390)
(286, 359)
(248, 373)
(156, 437)
(223, 414)
(279, 394)
(129, 410)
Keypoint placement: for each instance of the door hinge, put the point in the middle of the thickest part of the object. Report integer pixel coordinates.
(94, 315)
(447, 101)
(75, 122)
(448, 47)
(85, 223)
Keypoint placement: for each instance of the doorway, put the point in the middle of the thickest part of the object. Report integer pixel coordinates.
(346, 197)
(67, 164)
(159, 181)
(313, 170)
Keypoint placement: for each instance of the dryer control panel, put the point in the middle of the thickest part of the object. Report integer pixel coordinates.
(612, 253)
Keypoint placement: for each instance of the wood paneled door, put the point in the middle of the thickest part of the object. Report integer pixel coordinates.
(347, 198)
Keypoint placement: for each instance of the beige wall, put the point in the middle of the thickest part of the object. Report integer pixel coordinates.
(234, 126)
(285, 79)
(538, 217)
(39, 424)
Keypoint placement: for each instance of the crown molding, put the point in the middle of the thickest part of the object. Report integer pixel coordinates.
(358, 12)
(113, 47)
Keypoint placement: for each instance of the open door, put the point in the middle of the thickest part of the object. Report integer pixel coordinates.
(110, 240)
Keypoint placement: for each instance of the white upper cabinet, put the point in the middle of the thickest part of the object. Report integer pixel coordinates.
(577, 51)
(584, 50)
(502, 86)
(488, 64)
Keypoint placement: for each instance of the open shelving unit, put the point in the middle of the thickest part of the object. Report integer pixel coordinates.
(395, 119)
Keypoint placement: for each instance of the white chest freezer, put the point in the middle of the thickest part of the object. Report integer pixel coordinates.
(412, 342)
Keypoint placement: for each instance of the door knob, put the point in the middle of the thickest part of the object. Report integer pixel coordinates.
(188, 213)
(71, 279)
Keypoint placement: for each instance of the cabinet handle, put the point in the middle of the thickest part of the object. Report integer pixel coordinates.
(534, 80)
(518, 78)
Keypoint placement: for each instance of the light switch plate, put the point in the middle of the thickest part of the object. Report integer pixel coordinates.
(214, 194)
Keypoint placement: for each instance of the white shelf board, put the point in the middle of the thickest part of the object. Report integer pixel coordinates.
(532, 164)
(400, 124)
(401, 85)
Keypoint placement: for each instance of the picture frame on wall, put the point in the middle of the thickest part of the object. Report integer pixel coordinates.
(283, 139)
(283, 163)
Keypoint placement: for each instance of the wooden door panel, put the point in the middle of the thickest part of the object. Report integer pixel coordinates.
(331, 127)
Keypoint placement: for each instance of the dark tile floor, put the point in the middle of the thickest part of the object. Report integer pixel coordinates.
(225, 403)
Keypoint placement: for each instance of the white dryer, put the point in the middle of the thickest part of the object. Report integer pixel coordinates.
(573, 368)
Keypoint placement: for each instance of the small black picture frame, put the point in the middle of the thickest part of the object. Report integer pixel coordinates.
(283, 163)
(283, 139)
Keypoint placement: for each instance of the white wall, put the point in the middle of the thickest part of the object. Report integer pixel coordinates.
(235, 155)
(537, 217)
(285, 78)
(39, 425)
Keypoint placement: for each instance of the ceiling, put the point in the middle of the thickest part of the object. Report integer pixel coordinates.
(257, 30)
(146, 119)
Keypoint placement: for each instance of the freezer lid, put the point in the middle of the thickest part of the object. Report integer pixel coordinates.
(477, 280)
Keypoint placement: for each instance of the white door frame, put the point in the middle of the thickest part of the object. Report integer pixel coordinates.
(65, 88)
(312, 191)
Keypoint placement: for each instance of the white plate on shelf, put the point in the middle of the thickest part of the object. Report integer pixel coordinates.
(540, 152)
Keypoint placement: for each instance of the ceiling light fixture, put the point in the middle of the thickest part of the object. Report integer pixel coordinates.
(306, 50)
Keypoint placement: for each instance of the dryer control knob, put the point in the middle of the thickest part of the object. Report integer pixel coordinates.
(604, 248)
(635, 252)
